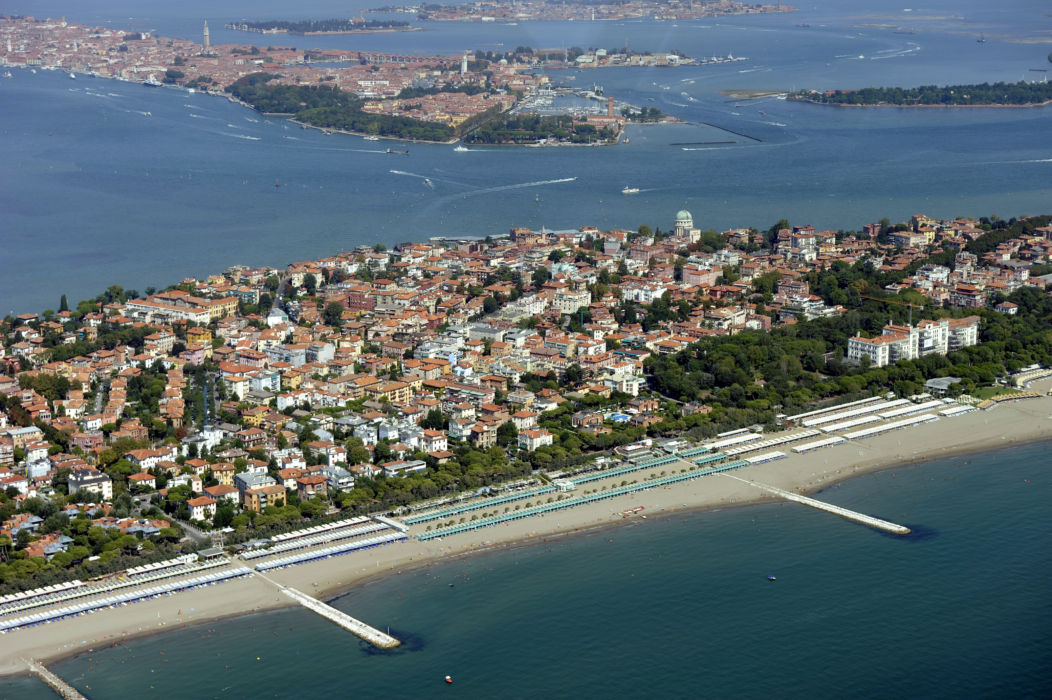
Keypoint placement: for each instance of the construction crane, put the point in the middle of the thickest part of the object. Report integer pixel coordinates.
(892, 301)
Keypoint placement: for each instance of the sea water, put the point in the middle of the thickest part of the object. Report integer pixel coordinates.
(675, 606)
(94, 188)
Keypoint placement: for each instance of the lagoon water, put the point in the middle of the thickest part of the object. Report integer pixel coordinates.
(675, 606)
(94, 192)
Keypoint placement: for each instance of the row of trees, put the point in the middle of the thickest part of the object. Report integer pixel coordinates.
(1021, 93)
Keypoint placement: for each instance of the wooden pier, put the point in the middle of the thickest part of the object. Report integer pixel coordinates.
(869, 520)
(64, 689)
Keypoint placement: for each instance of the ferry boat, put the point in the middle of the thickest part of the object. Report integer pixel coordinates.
(630, 190)
(152, 81)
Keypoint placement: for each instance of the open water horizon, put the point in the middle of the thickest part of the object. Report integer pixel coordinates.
(104, 182)
(674, 606)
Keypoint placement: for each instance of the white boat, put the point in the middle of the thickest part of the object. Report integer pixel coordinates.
(7, 74)
(152, 81)
(630, 190)
(372, 138)
(461, 148)
(72, 76)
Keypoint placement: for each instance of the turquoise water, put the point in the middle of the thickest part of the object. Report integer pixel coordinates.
(677, 606)
(91, 185)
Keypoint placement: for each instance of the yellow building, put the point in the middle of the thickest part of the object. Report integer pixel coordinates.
(264, 497)
(198, 334)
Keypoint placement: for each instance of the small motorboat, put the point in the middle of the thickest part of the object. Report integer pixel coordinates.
(449, 679)
(771, 578)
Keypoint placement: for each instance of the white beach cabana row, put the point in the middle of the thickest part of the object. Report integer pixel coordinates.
(319, 529)
(316, 540)
(831, 409)
(848, 424)
(885, 427)
(157, 565)
(854, 412)
(88, 606)
(44, 594)
(765, 457)
(771, 442)
(818, 444)
(912, 408)
(957, 410)
(732, 440)
(109, 586)
(345, 548)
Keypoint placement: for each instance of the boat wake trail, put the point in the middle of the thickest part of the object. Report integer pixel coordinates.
(1016, 162)
(402, 172)
(242, 136)
(521, 185)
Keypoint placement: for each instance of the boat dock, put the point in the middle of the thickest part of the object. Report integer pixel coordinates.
(836, 510)
(64, 689)
(356, 627)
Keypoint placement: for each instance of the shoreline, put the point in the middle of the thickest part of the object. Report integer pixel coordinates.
(885, 105)
(1008, 424)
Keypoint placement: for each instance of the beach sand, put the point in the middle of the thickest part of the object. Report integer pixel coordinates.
(1007, 423)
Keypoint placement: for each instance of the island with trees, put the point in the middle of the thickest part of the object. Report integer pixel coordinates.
(330, 108)
(1020, 94)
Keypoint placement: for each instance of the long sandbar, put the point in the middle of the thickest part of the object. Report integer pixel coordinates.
(1008, 423)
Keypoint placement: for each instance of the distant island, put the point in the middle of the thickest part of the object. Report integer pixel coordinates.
(1021, 94)
(310, 27)
(581, 10)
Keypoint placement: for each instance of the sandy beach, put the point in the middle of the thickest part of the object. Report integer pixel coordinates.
(1007, 423)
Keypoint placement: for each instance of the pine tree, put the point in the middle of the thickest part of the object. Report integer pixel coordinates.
(63, 305)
